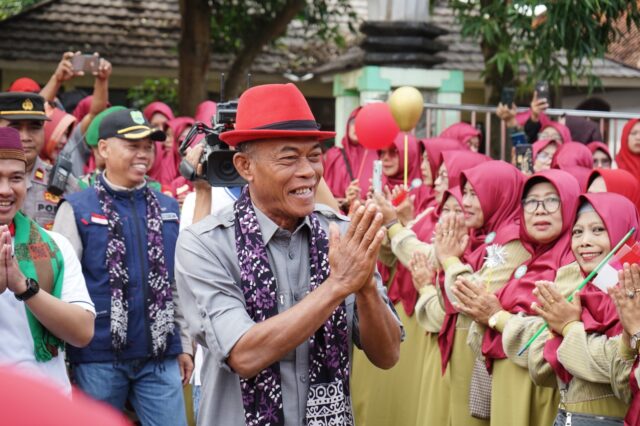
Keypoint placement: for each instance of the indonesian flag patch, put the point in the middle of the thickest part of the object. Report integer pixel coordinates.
(99, 219)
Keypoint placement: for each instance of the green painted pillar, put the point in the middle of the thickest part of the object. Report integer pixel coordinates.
(449, 92)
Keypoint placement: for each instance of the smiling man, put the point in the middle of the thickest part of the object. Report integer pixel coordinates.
(43, 297)
(277, 294)
(125, 234)
(25, 113)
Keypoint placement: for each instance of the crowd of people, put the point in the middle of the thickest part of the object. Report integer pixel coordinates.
(129, 281)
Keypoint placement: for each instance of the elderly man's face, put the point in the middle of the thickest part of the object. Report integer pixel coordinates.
(13, 189)
(283, 175)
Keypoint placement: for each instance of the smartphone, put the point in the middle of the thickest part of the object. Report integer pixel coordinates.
(542, 90)
(524, 158)
(377, 177)
(518, 138)
(507, 96)
(86, 63)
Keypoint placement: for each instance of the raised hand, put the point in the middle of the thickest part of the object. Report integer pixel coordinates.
(386, 208)
(353, 256)
(554, 308)
(421, 270)
(626, 296)
(452, 238)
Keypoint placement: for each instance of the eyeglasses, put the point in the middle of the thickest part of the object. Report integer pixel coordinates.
(550, 205)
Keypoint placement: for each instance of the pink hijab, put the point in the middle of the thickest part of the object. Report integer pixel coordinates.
(601, 146)
(158, 107)
(576, 159)
(170, 160)
(599, 313)
(205, 112)
(83, 108)
(540, 145)
(458, 161)
(564, 131)
(360, 159)
(516, 295)
(461, 132)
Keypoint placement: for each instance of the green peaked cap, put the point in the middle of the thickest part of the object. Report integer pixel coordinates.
(92, 132)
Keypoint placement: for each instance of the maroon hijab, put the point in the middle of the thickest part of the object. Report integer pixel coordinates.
(170, 159)
(599, 314)
(498, 186)
(360, 159)
(461, 132)
(458, 161)
(574, 158)
(516, 295)
(542, 144)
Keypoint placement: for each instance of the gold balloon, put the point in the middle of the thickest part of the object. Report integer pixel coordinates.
(406, 104)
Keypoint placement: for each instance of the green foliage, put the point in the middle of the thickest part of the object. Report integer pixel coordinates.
(154, 89)
(11, 7)
(234, 21)
(560, 44)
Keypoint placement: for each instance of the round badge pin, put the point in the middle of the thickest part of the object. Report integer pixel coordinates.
(520, 271)
(490, 237)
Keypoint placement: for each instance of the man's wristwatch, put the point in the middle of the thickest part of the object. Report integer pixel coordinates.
(32, 289)
(634, 342)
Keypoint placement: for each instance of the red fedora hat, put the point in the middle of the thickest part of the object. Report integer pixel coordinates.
(273, 111)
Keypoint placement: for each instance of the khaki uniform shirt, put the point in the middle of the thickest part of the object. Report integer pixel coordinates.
(41, 205)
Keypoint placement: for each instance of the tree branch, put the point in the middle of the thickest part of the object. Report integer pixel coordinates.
(263, 35)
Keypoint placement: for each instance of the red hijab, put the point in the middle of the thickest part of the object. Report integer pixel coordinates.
(625, 159)
(158, 107)
(461, 132)
(498, 186)
(576, 159)
(619, 181)
(60, 123)
(599, 314)
(205, 112)
(516, 295)
(360, 159)
(435, 147)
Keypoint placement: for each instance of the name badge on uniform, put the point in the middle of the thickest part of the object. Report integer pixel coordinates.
(522, 269)
(169, 216)
(99, 219)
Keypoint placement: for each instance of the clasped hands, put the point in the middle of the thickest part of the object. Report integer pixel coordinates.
(10, 275)
(451, 238)
(353, 256)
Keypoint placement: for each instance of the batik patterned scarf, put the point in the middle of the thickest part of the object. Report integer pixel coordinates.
(328, 401)
(160, 308)
(39, 258)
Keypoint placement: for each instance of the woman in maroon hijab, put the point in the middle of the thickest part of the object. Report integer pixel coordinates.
(586, 343)
(601, 155)
(491, 202)
(353, 162)
(574, 158)
(548, 211)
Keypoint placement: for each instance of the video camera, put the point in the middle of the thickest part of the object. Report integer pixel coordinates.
(217, 159)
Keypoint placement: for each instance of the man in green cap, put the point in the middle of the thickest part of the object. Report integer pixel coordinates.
(92, 138)
(25, 112)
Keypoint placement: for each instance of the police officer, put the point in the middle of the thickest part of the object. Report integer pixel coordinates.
(25, 113)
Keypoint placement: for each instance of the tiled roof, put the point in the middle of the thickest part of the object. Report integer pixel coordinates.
(144, 33)
(134, 33)
(626, 50)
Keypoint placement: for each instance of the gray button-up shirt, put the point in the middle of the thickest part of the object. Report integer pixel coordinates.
(208, 278)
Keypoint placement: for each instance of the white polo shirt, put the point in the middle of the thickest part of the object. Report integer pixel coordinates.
(17, 347)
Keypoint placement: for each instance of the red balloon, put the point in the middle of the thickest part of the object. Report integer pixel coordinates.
(375, 126)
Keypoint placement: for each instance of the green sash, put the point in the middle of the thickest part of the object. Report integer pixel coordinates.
(39, 258)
